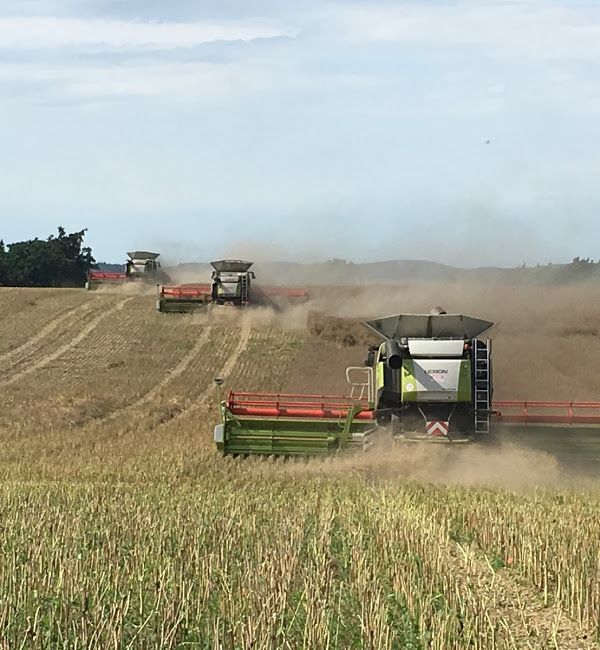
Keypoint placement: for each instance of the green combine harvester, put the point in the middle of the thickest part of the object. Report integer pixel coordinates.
(430, 379)
(231, 284)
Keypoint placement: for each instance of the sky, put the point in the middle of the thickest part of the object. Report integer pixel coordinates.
(459, 132)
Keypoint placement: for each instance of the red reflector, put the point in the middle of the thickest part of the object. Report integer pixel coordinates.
(437, 428)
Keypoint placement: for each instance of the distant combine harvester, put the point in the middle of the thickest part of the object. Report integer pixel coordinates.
(231, 284)
(141, 266)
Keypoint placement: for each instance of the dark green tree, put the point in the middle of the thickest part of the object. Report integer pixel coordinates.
(59, 261)
(3, 263)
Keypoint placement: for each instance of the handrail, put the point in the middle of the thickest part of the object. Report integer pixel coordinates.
(366, 383)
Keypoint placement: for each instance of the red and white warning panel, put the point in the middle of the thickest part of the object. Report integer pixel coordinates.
(437, 428)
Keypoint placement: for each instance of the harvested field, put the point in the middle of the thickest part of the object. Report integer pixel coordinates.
(123, 528)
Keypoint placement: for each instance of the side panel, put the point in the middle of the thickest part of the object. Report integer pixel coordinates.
(431, 380)
(228, 290)
(379, 375)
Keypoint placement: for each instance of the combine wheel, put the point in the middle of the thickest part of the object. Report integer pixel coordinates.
(385, 419)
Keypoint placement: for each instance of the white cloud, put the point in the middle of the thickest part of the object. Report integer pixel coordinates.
(38, 32)
(540, 30)
(201, 82)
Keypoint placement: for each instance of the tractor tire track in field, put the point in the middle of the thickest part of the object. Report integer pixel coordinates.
(225, 371)
(30, 345)
(102, 434)
(206, 395)
(58, 352)
(177, 371)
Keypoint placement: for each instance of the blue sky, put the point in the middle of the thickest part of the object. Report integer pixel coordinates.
(304, 130)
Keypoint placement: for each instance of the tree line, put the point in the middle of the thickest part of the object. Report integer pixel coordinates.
(59, 261)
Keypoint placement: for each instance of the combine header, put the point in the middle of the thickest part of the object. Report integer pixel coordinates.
(231, 284)
(429, 380)
(141, 265)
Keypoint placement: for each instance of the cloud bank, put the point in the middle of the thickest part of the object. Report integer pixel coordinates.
(390, 129)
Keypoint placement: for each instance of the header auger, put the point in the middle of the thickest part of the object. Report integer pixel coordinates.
(231, 284)
(429, 380)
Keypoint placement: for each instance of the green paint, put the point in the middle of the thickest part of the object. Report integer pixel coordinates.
(379, 374)
(408, 383)
(464, 393)
(289, 436)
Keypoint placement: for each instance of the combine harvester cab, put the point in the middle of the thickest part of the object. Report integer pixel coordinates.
(231, 281)
(141, 265)
(433, 377)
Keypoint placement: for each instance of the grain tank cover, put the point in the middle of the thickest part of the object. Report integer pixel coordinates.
(427, 326)
(231, 266)
(142, 255)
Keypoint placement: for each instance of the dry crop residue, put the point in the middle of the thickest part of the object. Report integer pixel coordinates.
(37, 364)
(108, 465)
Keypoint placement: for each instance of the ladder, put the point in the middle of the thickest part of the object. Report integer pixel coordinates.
(482, 372)
(244, 282)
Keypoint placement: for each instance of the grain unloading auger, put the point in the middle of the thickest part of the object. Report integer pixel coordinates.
(231, 284)
(140, 266)
(430, 380)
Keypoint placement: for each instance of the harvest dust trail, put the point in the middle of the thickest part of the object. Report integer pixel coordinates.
(179, 369)
(86, 331)
(233, 359)
(30, 344)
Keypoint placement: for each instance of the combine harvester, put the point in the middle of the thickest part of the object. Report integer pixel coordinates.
(429, 380)
(231, 284)
(141, 266)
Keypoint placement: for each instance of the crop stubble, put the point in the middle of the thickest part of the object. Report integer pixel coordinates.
(121, 525)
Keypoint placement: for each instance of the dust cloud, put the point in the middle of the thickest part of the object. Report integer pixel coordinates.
(290, 317)
(505, 465)
(127, 289)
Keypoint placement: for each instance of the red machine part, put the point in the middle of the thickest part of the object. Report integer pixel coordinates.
(186, 291)
(338, 406)
(541, 412)
(297, 406)
(107, 276)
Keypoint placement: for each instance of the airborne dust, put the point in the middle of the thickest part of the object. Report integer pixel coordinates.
(545, 347)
